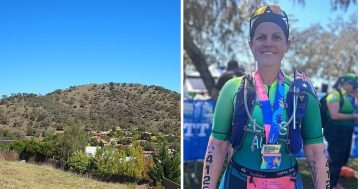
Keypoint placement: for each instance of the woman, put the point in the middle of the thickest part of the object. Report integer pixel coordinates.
(262, 158)
(340, 127)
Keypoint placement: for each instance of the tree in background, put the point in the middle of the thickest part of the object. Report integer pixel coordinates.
(165, 165)
(106, 162)
(210, 29)
(137, 163)
(326, 53)
(79, 162)
(72, 140)
(110, 162)
(215, 31)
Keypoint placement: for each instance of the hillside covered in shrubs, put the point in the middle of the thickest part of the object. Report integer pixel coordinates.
(96, 106)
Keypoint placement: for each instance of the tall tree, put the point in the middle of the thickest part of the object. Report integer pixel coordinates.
(326, 52)
(72, 140)
(165, 164)
(214, 31)
(211, 29)
(341, 4)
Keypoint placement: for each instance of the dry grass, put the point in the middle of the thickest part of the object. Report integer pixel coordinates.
(22, 175)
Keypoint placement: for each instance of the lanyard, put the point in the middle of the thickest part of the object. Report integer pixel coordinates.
(272, 119)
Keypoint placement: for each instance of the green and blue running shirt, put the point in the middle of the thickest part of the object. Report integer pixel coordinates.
(249, 154)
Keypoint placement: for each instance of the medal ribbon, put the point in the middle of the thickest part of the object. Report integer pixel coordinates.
(272, 119)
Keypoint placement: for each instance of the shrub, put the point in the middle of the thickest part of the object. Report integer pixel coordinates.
(165, 165)
(28, 149)
(18, 146)
(148, 146)
(79, 162)
(4, 147)
(137, 163)
(153, 138)
(104, 163)
(110, 162)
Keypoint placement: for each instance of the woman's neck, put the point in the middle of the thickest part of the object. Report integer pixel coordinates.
(269, 74)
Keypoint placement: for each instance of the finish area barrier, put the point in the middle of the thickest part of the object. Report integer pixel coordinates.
(198, 117)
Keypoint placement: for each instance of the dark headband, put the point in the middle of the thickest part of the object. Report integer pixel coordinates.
(269, 17)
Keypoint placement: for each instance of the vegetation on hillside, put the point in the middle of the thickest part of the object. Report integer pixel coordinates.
(129, 123)
(96, 107)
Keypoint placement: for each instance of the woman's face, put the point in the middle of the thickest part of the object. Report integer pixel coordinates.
(348, 87)
(269, 44)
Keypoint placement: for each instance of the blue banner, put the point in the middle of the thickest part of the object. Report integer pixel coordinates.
(198, 116)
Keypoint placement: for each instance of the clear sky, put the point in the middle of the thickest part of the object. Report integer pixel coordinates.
(54, 44)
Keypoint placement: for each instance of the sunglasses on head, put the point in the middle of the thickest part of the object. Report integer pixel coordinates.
(269, 9)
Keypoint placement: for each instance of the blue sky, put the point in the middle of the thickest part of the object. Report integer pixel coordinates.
(315, 12)
(48, 44)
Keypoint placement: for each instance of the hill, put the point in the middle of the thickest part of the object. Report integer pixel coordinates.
(21, 175)
(96, 106)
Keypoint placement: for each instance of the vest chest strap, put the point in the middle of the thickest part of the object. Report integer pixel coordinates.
(262, 134)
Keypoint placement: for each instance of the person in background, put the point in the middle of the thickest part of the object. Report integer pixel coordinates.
(232, 70)
(355, 105)
(340, 126)
(251, 115)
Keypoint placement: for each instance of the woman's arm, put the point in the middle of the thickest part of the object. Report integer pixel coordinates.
(218, 145)
(213, 162)
(334, 111)
(319, 165)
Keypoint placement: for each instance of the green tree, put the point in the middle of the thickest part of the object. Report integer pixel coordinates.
(47, 149)
(213, 22)
(326, 52)
(18, 146)
(137, 162)
(106, 162)
(165, 165)
(215, 31)
(79, 162)
(153, 139)
(70, 141)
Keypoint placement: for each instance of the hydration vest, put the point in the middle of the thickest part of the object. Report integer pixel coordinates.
(245, 106)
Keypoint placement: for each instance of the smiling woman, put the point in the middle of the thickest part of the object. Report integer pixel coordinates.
(266, 117)
(269, 46)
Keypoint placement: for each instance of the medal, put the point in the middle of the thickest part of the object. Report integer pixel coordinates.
(270, 152)
(271, 157)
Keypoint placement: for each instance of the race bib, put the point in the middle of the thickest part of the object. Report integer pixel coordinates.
(270, 183)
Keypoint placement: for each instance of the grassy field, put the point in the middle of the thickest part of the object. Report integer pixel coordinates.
(22, 175)
(192, 175)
